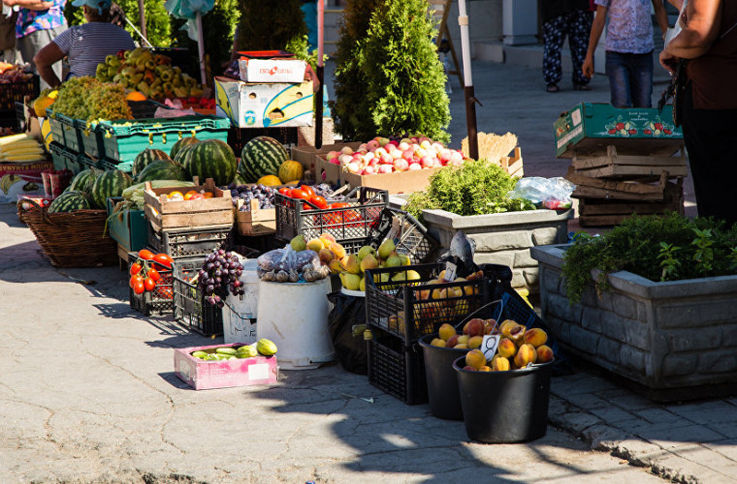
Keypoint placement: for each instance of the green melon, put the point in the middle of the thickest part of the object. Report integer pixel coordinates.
(82, 181)
(182, 143)
(210, 159)
(146, 157)
(261, 156)
(110, 183)
(161, 170)
(68, 202)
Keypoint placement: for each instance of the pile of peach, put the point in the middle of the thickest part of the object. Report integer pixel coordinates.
(473, 334)
(518, 348)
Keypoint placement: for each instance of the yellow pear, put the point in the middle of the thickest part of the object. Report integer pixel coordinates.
(315, 244)
(350, 264)
(386, 248)
(369, 262)
(366, 250)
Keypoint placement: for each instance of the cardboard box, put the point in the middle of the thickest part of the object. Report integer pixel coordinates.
(203, 375)
(272, 105)
(308, 156)
(590, 127)
(272, 70)
(398, 182)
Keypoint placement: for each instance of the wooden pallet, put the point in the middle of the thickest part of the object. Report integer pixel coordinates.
(589, 187)
(612, 165)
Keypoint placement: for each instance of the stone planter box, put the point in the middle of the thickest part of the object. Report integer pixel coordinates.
(667, 336)
(504, 238)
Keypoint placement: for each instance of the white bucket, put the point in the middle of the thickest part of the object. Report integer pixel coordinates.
(239, 315)
(295, 317)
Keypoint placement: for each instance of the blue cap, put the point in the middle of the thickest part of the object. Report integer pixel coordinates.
(100, 5)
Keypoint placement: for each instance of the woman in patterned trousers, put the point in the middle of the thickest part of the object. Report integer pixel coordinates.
(563, 18)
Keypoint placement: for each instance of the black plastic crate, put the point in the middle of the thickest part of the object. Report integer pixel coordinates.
(410, 236)
(19, 91)
(160, 301)
(351, 223)
(396, 369)
(187, 243)
(190, 307)
(410, 309)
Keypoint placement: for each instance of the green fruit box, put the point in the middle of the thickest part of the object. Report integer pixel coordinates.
(203, 375)
(127, 227)
(590, 127)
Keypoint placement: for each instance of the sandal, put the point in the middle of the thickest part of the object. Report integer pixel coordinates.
(581, 87)
(552, 88)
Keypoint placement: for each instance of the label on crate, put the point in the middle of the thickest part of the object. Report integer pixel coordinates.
(450, 272)
(489, 344)
(259, 371)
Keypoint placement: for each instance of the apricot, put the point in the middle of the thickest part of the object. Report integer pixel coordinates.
(469, 368)
(438, 342)
(544, 354)
(525, 355)
(506, 326)
(499, 363)
(489, 326)
(475, 358)
(475, 327)
(460, 346)
(475, 341)
(536, 337)
(463, 339)
(452, 341)
(506, 348)
(517, 335)
(446, 331)
(485, 368)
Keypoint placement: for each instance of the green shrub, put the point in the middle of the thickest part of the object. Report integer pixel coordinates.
(269, 24)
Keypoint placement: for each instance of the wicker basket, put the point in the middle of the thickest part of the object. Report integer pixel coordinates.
(70, 239)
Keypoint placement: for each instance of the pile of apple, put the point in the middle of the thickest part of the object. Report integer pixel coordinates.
(382, 156)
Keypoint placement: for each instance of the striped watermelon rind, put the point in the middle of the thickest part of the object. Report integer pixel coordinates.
(110, 183)
(181, 144)
(82, 181)
(263, 155)
(146, 157)
(161, 170)
(69, 202)
(210, 159)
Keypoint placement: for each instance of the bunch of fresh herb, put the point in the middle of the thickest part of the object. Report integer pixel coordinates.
(659, 248)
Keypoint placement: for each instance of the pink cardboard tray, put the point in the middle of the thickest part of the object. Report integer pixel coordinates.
(203, 375)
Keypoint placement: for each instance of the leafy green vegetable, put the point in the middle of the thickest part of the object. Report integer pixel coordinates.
(686, 248)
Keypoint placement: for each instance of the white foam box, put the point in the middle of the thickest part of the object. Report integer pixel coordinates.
(264, 105)
(272, 70)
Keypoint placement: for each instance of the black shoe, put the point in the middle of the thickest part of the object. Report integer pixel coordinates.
(581, 87)
(552, 88)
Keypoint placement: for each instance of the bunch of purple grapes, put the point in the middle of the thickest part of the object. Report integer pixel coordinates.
(220, 275)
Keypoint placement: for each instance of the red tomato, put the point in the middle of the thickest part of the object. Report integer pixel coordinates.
(145, 254)
(297, 193)
(287, 192)
(306, 207)
(190, 194)
(319, 201)
(308, 190)
(164, 292)
(207, 195)
(136, 279)
(153, 274)
(138, 287)
(135, 268)
(164, 260)
(148, 284)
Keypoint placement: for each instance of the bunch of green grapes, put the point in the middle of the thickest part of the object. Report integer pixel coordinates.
(107, 102)
(72, 100)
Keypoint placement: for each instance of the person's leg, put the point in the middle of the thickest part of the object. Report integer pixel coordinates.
(619, 79)
(641, 80)
(34, 42)
(553, 38)
(578, 38)
(711, 143)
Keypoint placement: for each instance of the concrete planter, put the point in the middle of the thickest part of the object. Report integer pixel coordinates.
(504, 238)
(663, 335)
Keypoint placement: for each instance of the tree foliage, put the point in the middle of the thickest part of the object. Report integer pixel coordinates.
(269, 24)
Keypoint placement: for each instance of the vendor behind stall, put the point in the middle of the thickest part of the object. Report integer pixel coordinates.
(85, 45)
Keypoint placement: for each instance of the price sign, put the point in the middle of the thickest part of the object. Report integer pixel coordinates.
(489, 344)
(450, 272)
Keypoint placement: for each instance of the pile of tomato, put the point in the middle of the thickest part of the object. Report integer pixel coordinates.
(306, 193)
(146, 274)
(176, 195)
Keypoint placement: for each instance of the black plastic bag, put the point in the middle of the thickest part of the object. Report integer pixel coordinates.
(346, 323)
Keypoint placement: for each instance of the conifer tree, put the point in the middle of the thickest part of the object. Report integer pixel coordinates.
(269, 24)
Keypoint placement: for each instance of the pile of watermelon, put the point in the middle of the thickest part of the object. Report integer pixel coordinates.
(90, 189)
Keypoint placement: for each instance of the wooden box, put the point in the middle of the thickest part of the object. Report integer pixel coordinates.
(598, 188)
(613, 165)
(203, 375)
(256, 221)
(597, 212)
(308, 156)
(165, 214)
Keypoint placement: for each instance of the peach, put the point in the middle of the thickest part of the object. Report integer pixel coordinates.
(328, 240)
(438, 342)
(475, 341)
(525, 355)
(326, 255)
(469, 368)
(499, 363)
(452, 341)
(490, 325)
(544, 354)
(460, 346)
(517, 335)
(506, 348)
(338, 250)
(536, 337)
(475, 358)
(475, 327)
(506, 326)
(463, 339)
(485, 368)
(446, 331)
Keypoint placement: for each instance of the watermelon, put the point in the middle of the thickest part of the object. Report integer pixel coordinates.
(110, 183)
(147, 156)
(182, 143)
(161, 170)
(210, 159)
(68, 202)
(261, 156)
(82, 182)
(239, 180)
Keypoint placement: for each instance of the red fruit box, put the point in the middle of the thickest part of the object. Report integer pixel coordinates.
(31, 168)
(203, 375)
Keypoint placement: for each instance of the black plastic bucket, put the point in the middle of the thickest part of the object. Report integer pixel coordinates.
(442, 383)
(504, 406)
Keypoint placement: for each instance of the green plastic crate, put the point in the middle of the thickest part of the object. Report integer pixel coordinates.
(57, 130)
(128, 227)
(65, 159)
(64, 128)
(105, 164)
(590, 127)
(123, 140)
(90, 138)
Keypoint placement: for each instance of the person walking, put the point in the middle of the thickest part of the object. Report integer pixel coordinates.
(629, 48)
(561, 18)
(38, 23)
(708, 43)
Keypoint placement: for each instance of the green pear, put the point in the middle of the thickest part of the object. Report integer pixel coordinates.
(350, 281)
(298, 243)
(362, 284)
(366, 250)
(386, 248)
(369, 262)
(393, 261)
(405, 259)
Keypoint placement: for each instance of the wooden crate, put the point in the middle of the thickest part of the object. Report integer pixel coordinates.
(599, 212)
(165, 214)
(599, 188)
(309, 155)
(613, 165)
(513, 164)
(256, 221)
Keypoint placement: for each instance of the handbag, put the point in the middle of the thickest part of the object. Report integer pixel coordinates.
(676, 90)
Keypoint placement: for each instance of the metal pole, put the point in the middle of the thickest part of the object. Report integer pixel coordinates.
(473, 145)
(320, 72)
(142, 19)
(201, 48)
